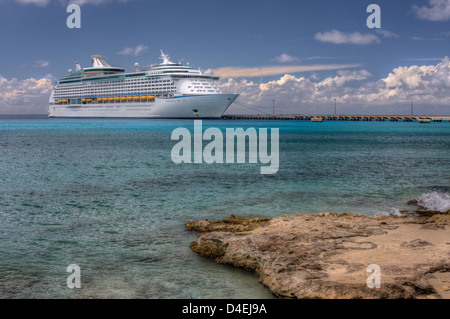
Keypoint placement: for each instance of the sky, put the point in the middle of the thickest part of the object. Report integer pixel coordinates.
(304, 55)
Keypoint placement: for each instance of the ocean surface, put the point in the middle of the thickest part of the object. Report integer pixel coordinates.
(104, 194)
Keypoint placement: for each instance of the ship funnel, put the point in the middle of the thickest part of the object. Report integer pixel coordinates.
(99, 62)
(77, 66)
(165, 58)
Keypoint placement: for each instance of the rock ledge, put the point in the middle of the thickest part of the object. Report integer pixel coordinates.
(326, 255)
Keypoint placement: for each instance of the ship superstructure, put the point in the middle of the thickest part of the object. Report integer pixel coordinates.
(165, 90)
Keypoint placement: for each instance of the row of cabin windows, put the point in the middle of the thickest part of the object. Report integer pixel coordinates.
(160, 86)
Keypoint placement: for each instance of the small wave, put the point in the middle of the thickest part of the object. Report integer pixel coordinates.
(394, 211)
(397, 212)
(435, 201)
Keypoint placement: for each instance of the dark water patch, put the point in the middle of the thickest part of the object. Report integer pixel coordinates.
(150, 259)
(112, 232)
(32, 205)
(75, 205)
(130, 242)
(166, 182)
(84, 189)
(63, 190)
(436, 188)
(66, 242)
(22, 282)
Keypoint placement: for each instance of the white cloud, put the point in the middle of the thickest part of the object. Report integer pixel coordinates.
(41, 63)
(25, 96)
(138, 50)
(438, 10)
(343, 77)
(285, 58)
(314, 76)
(425, 39)
(423, 59)
(39, 3)
(94, 2)
(43, 3)
(338, 37)
(320, 58)
(237, 72)
(387, 33)
(428, 85)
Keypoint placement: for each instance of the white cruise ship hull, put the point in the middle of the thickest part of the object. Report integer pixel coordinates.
(183, 106)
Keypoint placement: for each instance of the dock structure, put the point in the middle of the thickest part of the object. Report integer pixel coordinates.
(321, 118)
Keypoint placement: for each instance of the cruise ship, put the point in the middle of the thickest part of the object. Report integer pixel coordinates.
(166, 90)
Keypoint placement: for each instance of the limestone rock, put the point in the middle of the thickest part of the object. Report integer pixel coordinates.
(327, 255)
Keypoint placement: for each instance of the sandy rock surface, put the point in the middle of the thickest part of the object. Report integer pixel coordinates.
(326, 255)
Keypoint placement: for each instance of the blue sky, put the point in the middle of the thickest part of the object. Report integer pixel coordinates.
(234, 37)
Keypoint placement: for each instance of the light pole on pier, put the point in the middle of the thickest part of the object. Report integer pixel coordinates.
(335, 113)
(273, 105)
(412, 106)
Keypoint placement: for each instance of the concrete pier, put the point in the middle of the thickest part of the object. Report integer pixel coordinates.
(368, 118)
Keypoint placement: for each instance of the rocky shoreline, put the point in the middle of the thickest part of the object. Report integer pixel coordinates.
(326, 255)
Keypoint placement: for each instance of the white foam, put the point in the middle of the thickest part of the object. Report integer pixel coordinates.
(396, 212)
(393, 211)
(435, 201)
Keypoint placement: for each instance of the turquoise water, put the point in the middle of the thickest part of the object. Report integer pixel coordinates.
(105, 194)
